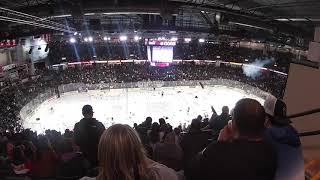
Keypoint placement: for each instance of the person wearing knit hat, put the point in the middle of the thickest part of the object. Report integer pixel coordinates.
(285, 140)
(276, 111)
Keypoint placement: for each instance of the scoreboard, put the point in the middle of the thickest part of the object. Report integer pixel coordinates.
(160, 52)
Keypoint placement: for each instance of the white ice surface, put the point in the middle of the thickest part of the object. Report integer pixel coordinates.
(128, 106)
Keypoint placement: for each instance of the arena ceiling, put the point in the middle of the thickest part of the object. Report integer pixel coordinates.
(293, 18)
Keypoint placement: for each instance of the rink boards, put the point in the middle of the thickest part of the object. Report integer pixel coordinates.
(178, 104)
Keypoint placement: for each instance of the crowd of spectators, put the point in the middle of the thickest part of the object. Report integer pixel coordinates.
(251, 144)
(130, 72)
(186, 51)
(15, 97)
(153, 147)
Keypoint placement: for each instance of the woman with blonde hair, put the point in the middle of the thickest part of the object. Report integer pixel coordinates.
(122, 157)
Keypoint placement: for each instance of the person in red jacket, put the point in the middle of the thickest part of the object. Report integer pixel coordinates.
(46, 160)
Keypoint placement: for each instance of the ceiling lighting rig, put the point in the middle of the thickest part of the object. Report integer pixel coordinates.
(23, 18)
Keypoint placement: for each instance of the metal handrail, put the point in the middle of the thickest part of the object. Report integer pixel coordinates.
(309, 133)
(313, 111)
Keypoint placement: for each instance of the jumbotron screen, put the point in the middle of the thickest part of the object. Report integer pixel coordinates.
(160, 54)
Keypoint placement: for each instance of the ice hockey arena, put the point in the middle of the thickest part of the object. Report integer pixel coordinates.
(179, 105)
(159, 89)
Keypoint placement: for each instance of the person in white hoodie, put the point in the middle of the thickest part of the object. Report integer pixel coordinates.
(285, 140)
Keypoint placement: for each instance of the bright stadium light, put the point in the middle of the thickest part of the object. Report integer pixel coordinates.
(106, 38)
(90, 39)
(75, 33)
(72, 40)
(123, 38)
(85, 39)
(187, 40)
(174, 39)
(136, 38)
(201, 40)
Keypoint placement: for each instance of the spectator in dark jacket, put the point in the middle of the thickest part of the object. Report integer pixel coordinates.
(285, 140)
(192, 143)
(154, 135)
(248, 157)
(87, 134)
(168, 153)
(219, 122)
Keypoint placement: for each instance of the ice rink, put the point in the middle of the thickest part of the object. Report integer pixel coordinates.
(127, 106)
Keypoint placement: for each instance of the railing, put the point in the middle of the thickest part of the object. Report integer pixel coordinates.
(309, 112)
(313, 111)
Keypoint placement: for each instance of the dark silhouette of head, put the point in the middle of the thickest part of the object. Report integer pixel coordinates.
(148, 122)
(278, 117)
(135, 125)
(162, 121)
(155, 127)
(195, 125)
(199, 117)
(225, 110)
(87, 111)
(280, 110)
(249, 117)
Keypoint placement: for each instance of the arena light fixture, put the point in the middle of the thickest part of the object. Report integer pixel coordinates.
(201, 40)
(85, 39)
(72, 40)
(75, 33)
(187, 40)
(123, 38)
(136, 38)
(174, 39)
(90, 39)
(90, 14)
(106, 38)
(218, 17)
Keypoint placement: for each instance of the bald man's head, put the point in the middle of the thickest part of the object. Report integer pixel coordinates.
(249, 117)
